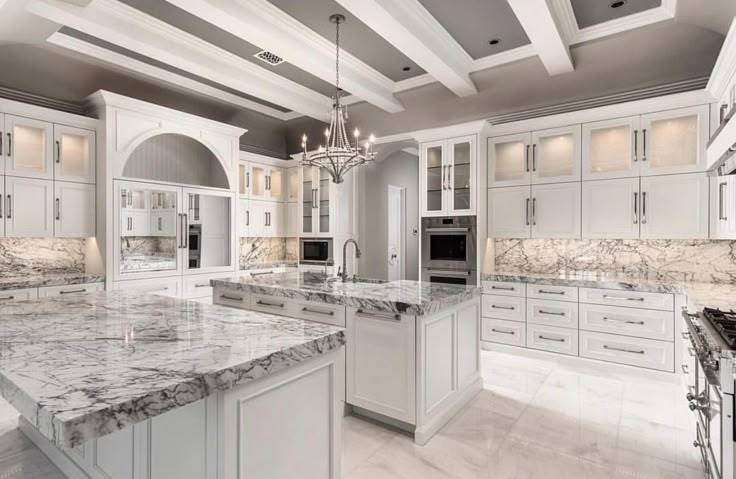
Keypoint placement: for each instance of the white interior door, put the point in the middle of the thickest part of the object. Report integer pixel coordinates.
(556, 210)
(611, 209)
(396, 243)
(509, 211)
(674, 206)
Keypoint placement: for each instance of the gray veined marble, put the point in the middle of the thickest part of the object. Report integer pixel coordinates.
(79, 367)
(601, 280)
(34, 256)
(41, 280)
(404, 297)
(267, 250)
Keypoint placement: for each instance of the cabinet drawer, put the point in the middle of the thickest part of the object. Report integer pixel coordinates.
(18, 295)
(550, 338)
(234, 299)
(506, 332)
(629, 299)
(646, 353)
(271, 304)
(320, 312)
(199, 286)
(48, 291)
(557, 293)
(160, 286)
(504, 307)
(641, 323)
(504, 288)
(552, 313)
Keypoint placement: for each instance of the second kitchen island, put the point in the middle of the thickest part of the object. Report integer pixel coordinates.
(412, 357)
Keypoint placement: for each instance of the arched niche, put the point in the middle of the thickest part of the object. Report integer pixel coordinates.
(175, 158)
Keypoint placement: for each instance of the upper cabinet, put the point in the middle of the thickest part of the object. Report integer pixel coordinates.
(28, 150)
(317, 202)
(292, 184)
(74, 154)
(508, 160)
(244, 179)
(610, 148)
(449, 177)
(266, 182)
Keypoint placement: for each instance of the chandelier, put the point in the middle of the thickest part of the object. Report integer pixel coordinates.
(337, 155)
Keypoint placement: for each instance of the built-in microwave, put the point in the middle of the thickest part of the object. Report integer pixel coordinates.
(315, 251)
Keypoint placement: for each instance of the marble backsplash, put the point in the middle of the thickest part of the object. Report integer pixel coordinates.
(268, 250)
(690, 260)
(32, 256)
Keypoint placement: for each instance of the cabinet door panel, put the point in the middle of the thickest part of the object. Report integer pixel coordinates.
(258, 181)
(276, 187)
(508, 160)
(434, 178)
(244, 179)
(509, 212)
(610, 209)
(112, 455)
(29, 207)
(461, 194)
(556, 211)
(674, 206)
(556, 155)
(292, 184)
(292, 220)
(324, 205)
(3, 205)
(675, 141)
(28, 147)
(723, 207)
(75, 210)
(611, 148)
(74, 154)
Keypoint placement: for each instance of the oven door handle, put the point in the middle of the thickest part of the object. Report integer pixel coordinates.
(447, 230)
(449, 273)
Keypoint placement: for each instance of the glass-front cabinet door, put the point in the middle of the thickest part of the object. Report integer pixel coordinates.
(674, 141)
(309, 200)
(435, 181)
(244, 179)
(462, 175)
(611, 148)
(323, 206)
(509, 160)
(292, 185)
(207, 226)
(74, 152)
(556, 155)
(275, 184)
(258, 181)
(27, 147)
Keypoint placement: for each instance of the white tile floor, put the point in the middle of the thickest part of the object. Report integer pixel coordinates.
(534, 419)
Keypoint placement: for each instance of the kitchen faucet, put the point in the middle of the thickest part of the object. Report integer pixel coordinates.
(344, 273)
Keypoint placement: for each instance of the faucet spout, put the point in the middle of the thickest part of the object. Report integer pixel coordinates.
(344, 272)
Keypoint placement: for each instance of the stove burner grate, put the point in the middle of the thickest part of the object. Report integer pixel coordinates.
(724, 323)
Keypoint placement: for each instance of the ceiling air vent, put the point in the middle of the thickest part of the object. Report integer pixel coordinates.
(268, 57)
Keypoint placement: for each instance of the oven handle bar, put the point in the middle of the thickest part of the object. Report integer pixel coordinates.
(447, 230)
(449, 273)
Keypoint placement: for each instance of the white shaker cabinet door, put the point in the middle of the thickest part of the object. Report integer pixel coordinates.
(74, 154)
(509, 159)
(556, 155)
(292, 220)
(509, 212)
(674, 206)
(723, 207)
(75, 210)
(611, 148)
(3, 206)
(555, 210)
(28, 147)
(675, 141)
(611, 209)
(29, 208)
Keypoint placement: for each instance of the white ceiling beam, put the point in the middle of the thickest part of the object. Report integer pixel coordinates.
(545, 33)
(408, 26)
(132, 29)
(100, 55)
(261, 23)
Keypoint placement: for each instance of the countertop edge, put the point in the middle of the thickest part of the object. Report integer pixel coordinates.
(10, 284)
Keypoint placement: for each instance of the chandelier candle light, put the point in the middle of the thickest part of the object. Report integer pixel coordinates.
(338, 156)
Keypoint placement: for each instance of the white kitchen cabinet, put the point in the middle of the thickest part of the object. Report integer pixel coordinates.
(674, 141)
(555, 211)
(610, 209)
(508, 160)
(551, 338)
(509, 308)
(266, 219)
(503, 331)
(163, 223)
(674, 206)
(243, 217)
(381, 359)
(29, 208)
(266, 182)
(244, 179)
(556, 155)
(18, 295)
(611, 148)
(449, 178)
(74, 154)
(170, 286)
(645, 353)
(74, 215)
(562, 314)
(318, 202)
(292, 184)
(135, 223)
(509, 212)
(28, 148)
(50, 291)
(723, 207)
(291, 228)
(3, 206)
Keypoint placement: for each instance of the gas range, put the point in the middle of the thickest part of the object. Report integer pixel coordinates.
(712, 333)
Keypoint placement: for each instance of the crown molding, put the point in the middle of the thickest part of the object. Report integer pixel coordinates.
(26, 98)
(724, 72)
(20, 103)
(254, 155)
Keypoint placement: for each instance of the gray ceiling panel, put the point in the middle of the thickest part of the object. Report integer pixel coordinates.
(477, 22)
(593, 12)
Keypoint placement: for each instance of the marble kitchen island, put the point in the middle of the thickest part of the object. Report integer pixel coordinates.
(412, 357)
(124, 385)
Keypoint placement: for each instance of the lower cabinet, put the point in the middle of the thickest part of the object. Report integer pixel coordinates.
(502, 331)
(550, 338)
(159, 286)
(18, 294)
(645, 353)
(48, 291)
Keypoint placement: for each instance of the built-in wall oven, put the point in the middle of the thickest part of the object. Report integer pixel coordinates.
(449, 253)
(317, 251)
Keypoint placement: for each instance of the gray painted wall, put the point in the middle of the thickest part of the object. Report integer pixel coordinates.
(399, 169)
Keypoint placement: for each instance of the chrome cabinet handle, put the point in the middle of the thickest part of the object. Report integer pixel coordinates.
(10, 143)
(502, 332)
(231, 298)
(247, 179)
(1, 143)
(644, 144)
(636, 145)
(534, 212)
(58, 209)
(73, 291)
(449, 177)
(510, 308)
(526, 158)
(201, 285)
(315, 311)
(636, 208)
(7, 298)
(558, 340)
(621, 298)
(314, 199)
(1, 205)
(541, 311)
(160, 226)
(385, 317)
(504, 288)
(625, 321)
(721, 196)
(247, 217)
(534, 157)
(442, 173)
(9, 207)
(186, 231)
(624, 350)
(58, 151)
(270, 305)
(261, 273)
(544, 291)
(643, 207)
(527, 210)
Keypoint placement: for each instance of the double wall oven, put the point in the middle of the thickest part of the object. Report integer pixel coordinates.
(449, 252)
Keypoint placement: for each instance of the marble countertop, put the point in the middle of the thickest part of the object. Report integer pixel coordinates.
(404, 297)
(268, 265)
(82, 366)
(57, 279)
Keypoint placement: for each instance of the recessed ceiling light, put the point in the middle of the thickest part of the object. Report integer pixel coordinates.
(618, 4)
(494, 41)
(406, 69)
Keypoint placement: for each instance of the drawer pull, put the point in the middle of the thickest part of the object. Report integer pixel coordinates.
(270, 305)
(559, 340)
(7, 298)
(621, 298)
(231, 298)
(385, 317)
(315, 311)
(541, 311)
(73, 291)
(510, 308)
(504, 288)
(544, 291)
(624, 350)
(201, 285)
(625, 321)
(261, 273)
(502, 331)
